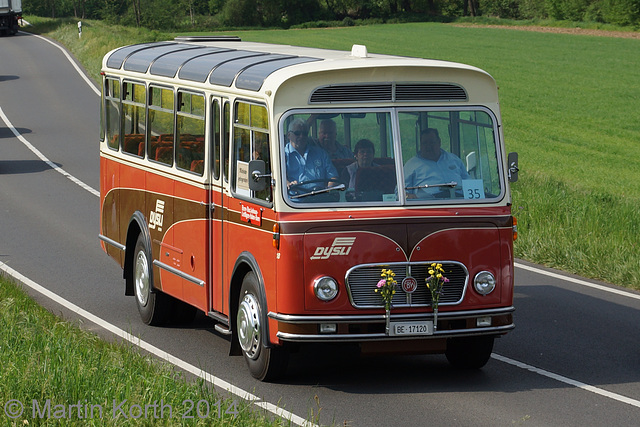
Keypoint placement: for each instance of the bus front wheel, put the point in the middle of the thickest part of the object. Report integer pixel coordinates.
(469, 352)
(265, 363)
(153, 306)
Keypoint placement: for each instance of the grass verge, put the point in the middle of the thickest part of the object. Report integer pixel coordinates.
(570, 106)
(54, 373)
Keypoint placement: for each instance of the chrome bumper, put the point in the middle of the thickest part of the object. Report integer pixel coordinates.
(297, 328)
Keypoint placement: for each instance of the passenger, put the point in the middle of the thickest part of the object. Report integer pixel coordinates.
(364, 153)
(432, 165)
(327, 133)
(306, 162)
(261, 147)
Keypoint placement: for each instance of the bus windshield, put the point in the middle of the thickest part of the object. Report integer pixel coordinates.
(391, 157)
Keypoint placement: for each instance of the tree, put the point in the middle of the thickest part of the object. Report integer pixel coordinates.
(137, 12)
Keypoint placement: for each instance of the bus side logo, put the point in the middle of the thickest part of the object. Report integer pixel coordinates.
(156, 218)
(340, 246)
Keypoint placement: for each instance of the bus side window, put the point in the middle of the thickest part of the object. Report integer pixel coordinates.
(251, 140)
(160, 129)
(190, 132)
(133, 104)
(112, 112)
(261, 151)
(215, 129)
(226, 136)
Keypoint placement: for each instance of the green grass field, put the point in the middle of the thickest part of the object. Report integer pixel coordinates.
(570, 106)
(54, 373)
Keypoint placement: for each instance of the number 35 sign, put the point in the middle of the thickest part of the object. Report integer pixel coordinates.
(473, 189)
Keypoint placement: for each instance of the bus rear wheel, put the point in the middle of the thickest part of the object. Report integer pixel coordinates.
(265, 363)
(153, 306)
(469, 352)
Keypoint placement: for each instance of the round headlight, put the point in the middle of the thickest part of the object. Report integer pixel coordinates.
(484, 283)
(325, 288)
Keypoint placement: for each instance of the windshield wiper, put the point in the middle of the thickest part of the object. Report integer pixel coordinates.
(451, 184)
(340, 187)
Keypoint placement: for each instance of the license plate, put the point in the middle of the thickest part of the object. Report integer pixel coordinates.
(411, 328)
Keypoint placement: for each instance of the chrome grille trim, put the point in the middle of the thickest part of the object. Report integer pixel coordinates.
(378, 318)
(494, 330)
(361, 282)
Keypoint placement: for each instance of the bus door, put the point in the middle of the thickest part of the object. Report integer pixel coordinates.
(248, 228)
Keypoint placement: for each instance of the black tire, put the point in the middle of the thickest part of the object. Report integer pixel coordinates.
(266, 363)
(469, 352)
(154, 306)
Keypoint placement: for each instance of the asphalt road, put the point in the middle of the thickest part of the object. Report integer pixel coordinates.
(573, 359)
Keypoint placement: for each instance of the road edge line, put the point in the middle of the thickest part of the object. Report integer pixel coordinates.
(73, 63)
(42, 157)
(577, 281)
(569, 381)
(210, 378)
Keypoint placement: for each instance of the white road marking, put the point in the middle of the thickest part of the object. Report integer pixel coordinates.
(217, 382)
(579, 281)
(569, 381)
(42, 157)
(73, 63)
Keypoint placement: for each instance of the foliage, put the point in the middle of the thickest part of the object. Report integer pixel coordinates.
(209, 14)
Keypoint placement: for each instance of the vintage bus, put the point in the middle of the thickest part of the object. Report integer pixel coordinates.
(269, 186)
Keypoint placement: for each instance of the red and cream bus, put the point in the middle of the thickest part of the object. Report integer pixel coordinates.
(269, 186)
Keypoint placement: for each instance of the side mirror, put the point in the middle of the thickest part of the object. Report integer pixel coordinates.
(512, 162)
(258, 179)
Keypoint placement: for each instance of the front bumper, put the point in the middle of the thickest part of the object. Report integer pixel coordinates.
(371, 327)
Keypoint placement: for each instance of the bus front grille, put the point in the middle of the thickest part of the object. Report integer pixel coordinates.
(361, 284)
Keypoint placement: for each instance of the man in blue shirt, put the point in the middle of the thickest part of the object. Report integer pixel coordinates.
(327, 133)
(432, 166)
(306, 162)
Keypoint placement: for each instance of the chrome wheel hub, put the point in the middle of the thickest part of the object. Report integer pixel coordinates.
(141, 279)
(249, 326)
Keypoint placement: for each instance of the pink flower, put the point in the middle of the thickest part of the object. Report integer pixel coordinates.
(381, 283)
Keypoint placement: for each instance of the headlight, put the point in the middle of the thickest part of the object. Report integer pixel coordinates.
(484, 283)
(325, 288)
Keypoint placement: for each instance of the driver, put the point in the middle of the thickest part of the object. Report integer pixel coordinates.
(306, 162)
(432, 165)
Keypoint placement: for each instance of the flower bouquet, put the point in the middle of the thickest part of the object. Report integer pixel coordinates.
(435, 283)
(387, 289)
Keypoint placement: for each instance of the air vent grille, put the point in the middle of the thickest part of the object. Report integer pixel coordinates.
(430, 92)
(352, 93)
(388, 92)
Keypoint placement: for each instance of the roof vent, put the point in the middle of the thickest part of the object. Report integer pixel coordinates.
(207, 39)
(359, 51)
